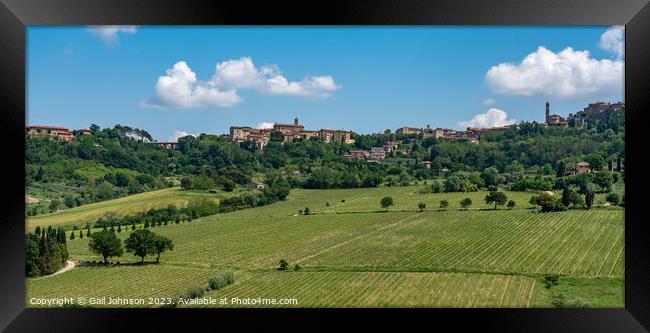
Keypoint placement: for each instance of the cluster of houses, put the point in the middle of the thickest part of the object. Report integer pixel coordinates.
(376, 153)
(471, 134)
(593, 111)
(56, 132)
(262, 136)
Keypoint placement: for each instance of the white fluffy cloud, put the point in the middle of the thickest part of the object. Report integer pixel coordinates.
(315, 86)
(108, 33)
(242, 73)
(179, 134)
(180, 87)
(265, 125)
(491, 118)
(613, 41)
(565, 74)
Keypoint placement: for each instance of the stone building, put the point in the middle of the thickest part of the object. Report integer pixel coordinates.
(55, 132)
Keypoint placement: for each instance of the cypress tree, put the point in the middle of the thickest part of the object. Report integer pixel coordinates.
(133, 226)
(146, 224)
(81, 234)
(72, 235)
(589, 198)
(119, 228)
(43, 249)
(566, 196)
(561, 169)
(39, 174)
(37, 231)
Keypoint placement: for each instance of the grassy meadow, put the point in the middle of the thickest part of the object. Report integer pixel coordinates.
(140, 202)
(353, 253)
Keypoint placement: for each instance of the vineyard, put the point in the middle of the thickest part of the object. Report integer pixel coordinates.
(353, 254)
(386, 289)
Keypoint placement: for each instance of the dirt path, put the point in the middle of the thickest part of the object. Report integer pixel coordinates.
(68, 266)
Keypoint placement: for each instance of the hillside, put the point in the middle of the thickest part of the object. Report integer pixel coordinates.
(79, 216)
(351, 254)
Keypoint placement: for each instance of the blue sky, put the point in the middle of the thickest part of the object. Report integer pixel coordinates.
(367, 79)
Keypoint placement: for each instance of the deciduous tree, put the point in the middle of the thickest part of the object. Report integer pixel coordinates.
(106, 244)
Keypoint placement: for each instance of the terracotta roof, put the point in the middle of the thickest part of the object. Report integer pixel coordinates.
(49, 127)
(331, 130)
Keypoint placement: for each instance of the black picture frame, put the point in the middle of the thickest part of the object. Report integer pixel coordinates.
(15, 15)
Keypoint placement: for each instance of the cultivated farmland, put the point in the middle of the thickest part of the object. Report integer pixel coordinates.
(352, 254)
(122, 206)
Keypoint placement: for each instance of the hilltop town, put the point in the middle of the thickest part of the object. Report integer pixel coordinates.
(593, 113)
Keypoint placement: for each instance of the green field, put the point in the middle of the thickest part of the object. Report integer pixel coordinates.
(353, 254)
(122, 206)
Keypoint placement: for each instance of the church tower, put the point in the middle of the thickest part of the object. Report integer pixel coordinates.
(548, 110)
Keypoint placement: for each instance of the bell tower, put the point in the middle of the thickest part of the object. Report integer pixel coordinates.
(548, 110)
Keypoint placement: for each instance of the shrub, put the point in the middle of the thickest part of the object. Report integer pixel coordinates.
(307, 211)
(217, 282)
(465, 203)
(453, 184)
(297, 267)
(512, 204)
(193, 292)
(229, 276)
(283, 265)
(220, 281)
(422, 206)
(551, 280)
(436, 187)
(548, 202)
(560, 301)
(444, 204)
(613, 198)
